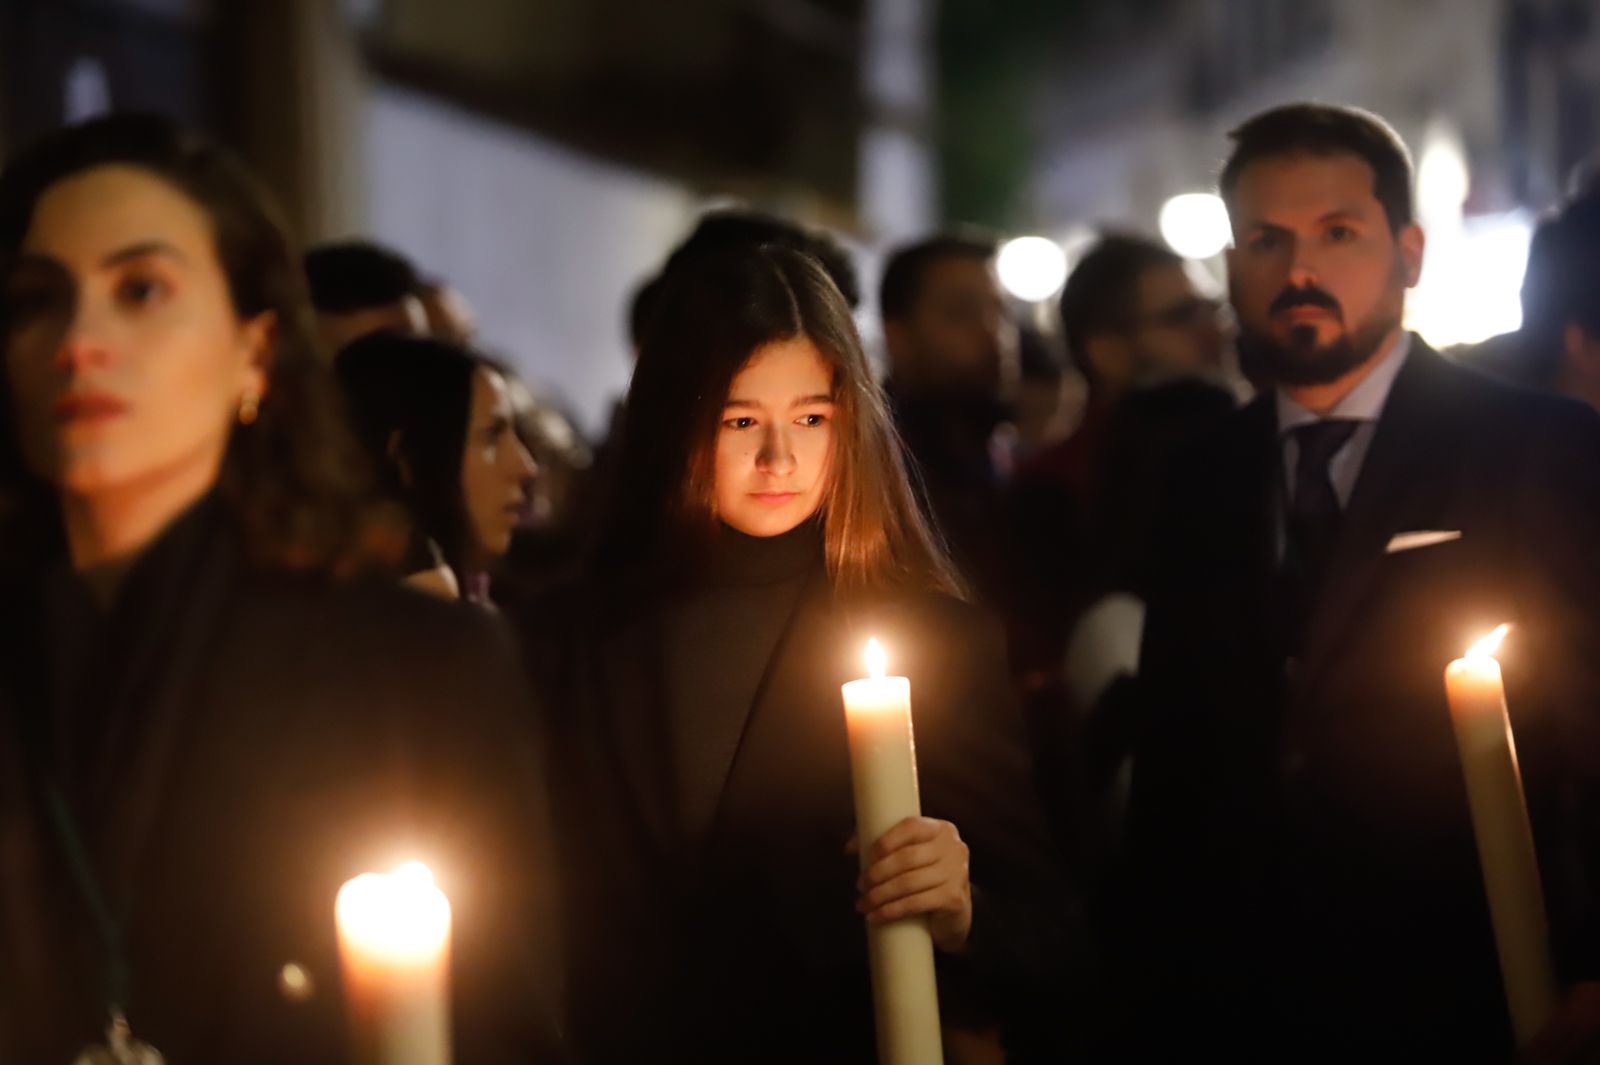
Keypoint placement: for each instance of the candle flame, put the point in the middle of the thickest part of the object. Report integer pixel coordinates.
(877, 661)
(414, 875)
(1486, 647)
(401, 917)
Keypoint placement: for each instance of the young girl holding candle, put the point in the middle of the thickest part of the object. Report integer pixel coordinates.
(205, 727)
(763, 529)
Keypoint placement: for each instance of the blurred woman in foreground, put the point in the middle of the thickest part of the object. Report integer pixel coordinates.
(207, 722)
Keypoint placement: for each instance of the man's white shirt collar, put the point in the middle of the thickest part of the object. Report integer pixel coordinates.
(1364, 403)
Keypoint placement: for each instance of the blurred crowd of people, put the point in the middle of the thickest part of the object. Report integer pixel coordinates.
(298, 574)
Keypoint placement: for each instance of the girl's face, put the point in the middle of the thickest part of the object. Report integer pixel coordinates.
(496, 469)
(774, 453)
(127, 362)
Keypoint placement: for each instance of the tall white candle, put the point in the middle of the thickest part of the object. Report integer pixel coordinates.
(883, 767)
(394, 939)
(1505, 839)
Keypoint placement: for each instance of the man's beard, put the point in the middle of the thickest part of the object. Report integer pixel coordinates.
(1301, 362)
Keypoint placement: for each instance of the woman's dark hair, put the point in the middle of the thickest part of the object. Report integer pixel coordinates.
(715, 312)
(410, 399)
(293, 480)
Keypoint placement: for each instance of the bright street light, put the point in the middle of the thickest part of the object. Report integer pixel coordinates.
(1032, 268)
(1195, 225)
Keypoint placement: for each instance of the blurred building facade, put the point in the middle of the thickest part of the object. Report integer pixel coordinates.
(1495, 97)
(540, 157)
(543, 156)
(1141, 113)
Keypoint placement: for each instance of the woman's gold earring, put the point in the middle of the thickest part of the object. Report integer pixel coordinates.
(249, 408)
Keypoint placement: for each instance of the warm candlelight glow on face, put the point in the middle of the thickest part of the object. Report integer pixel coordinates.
(1486, 647)
(877, 660)
(400, 917)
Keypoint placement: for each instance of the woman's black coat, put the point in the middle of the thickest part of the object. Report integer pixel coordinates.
(233, 750)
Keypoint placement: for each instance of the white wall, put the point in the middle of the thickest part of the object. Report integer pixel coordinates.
(547, 244)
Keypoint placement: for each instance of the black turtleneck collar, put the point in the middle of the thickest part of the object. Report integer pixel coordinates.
(738, 558)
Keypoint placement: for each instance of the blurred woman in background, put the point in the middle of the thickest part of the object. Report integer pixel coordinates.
(437, 421)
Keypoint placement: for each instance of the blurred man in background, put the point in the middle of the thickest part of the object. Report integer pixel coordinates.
(450, 317)
(1557, 347)
(1578, 372)
(1134, 323)
(953, 369)
(359, 287)
(1149, 346)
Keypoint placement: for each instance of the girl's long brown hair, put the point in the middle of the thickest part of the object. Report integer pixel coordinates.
(715, 312)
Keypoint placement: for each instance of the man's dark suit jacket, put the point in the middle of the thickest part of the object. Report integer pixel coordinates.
(239, 747)
(1302, 878)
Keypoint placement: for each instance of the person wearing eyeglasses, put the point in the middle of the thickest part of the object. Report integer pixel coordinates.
(1149, 346)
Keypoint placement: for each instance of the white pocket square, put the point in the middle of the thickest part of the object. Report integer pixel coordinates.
(1410, 541)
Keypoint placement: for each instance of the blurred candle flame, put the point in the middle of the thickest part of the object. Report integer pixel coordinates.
(400, 917)
(1486, 647)
(877, 660)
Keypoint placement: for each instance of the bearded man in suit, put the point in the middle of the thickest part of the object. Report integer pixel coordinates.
(1303, 881)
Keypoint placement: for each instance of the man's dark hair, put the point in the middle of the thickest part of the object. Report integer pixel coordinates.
(907, 268)
(1322, 130)
(1573, 271)
(641, 307)
(1102, 292)
(1560, 287)
(356, 275)
(739, 227)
